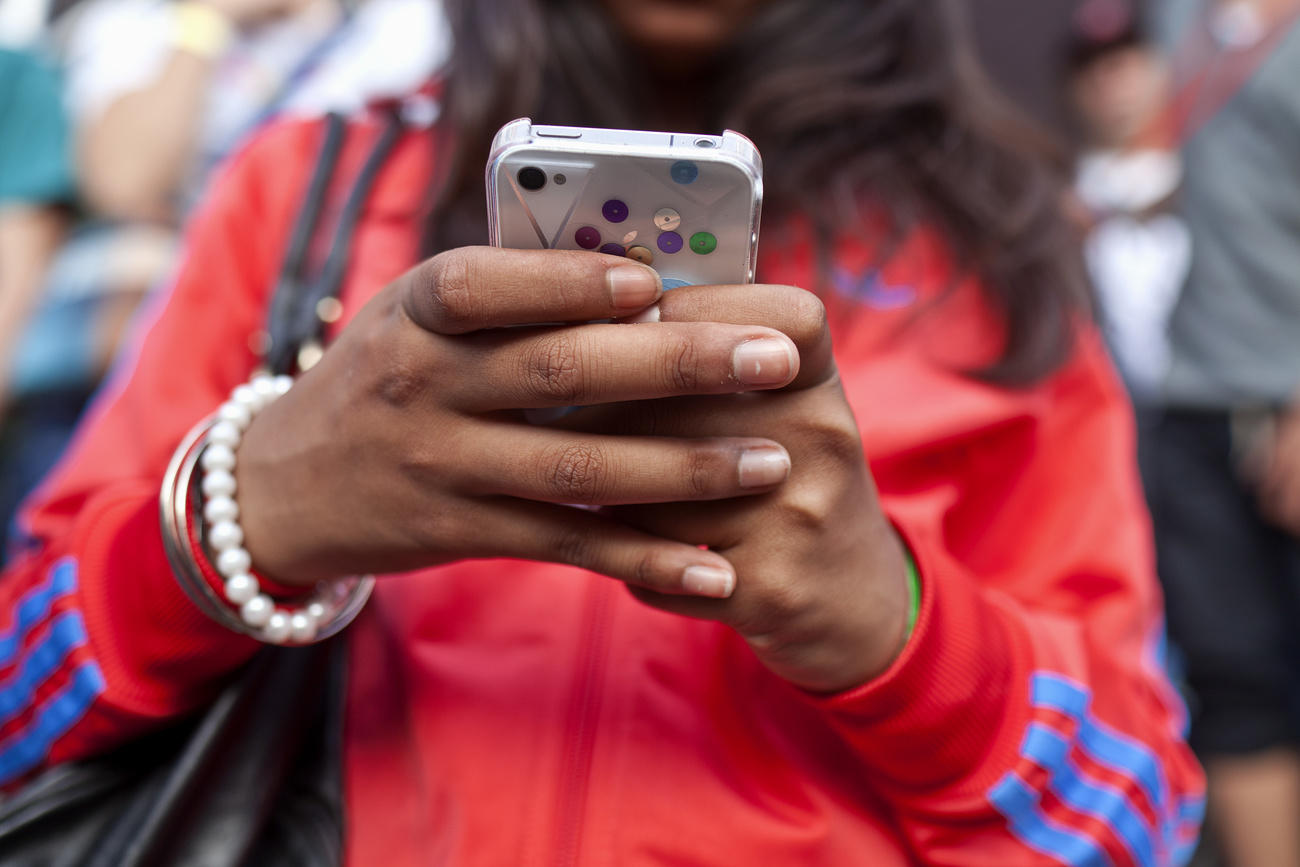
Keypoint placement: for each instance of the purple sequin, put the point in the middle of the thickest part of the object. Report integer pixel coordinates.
(670, 242)
(615, 210)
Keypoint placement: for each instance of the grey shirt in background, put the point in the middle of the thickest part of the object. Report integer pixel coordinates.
(1235, 332)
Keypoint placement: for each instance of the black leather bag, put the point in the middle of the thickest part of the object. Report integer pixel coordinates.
(255, 779)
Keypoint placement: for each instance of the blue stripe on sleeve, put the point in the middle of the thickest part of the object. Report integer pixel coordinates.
(1191, 810)
(1050, 750)
(34, 606)
(1015, 800)
(1052, 691)
(61, 712)
(1104, 745)
(68, 631)
(1191, 813)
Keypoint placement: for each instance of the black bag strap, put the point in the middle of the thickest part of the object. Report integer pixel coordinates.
(295, 318)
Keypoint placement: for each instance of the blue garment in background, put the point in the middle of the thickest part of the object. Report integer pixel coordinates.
(35, 144)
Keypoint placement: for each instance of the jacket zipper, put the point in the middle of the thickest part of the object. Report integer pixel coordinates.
(575, 770)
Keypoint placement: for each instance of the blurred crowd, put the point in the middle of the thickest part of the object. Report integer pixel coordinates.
(1188, 194)
(114, 114)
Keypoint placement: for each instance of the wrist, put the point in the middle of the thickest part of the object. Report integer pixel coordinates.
(203, 536)
(898, 607)
(861, 637)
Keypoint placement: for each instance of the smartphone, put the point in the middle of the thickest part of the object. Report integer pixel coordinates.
(686, 205)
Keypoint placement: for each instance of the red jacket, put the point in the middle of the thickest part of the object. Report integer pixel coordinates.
(522, 713)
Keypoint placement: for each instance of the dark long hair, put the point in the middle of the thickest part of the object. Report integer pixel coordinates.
(849, 101)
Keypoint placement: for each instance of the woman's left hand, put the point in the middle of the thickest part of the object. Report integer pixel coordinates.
(821, 593)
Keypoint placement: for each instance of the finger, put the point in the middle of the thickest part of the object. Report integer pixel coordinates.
(798, 314)
(558, 467)
(696, 607)
(819, 411)
(560, 534)
(591, 364)
(474, 288)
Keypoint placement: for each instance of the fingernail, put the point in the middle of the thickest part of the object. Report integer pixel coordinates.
(765, 361)
(761, 468)
(708, 581)
(632, 287)
(650, 314)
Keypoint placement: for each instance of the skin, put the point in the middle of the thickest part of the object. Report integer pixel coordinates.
(1253, 804)
(29, 237)
(1279, 473)
(415, 408)
(1120, 94)
(680, 29)
(133, 157)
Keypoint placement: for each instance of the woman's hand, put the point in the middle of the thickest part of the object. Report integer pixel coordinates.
(404, 447)
(821, 591)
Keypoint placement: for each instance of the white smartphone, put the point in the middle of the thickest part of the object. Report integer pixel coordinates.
(686, 205)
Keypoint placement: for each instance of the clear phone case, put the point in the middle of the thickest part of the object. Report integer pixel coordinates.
(687, 205)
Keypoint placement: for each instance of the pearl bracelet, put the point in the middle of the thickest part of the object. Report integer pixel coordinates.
(245, 607)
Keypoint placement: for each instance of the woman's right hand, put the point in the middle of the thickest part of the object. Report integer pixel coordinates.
(405, 447)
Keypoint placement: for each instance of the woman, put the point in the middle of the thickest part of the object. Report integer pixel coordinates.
(938, 652)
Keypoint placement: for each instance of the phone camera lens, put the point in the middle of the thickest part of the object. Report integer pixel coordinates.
(560, 179)
(531, 178)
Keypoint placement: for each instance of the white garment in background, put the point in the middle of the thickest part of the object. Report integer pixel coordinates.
(388, 48)
(1138, 261)
(22, 22)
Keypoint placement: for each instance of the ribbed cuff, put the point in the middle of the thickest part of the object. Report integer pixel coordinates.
(950, 705)
(160, 654)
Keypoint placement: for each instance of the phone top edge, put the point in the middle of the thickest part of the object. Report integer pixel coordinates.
(731, 146)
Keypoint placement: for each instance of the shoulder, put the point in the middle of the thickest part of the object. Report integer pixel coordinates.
(911, 329)
(270, 174)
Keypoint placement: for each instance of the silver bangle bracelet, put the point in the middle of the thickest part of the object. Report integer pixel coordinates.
(332, 604)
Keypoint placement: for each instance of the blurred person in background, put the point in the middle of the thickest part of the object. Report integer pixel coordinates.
(1137, 247)
(1227, 451)
(158, 93)
(36, 187)
(161, 91)
(886, 605)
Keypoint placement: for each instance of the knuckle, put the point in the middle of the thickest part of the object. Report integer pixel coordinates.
(779, 605)
(551, 370)
(701, 473)
(836, 439)
(400, 384)
(682, 366)
(396, 376)
(810, 507)
(577, 474)
(575, 547)
(810, 320)
(844, 446)
(648, 571)
(450, 293)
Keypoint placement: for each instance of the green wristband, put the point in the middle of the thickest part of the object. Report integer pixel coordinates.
(913, 592)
